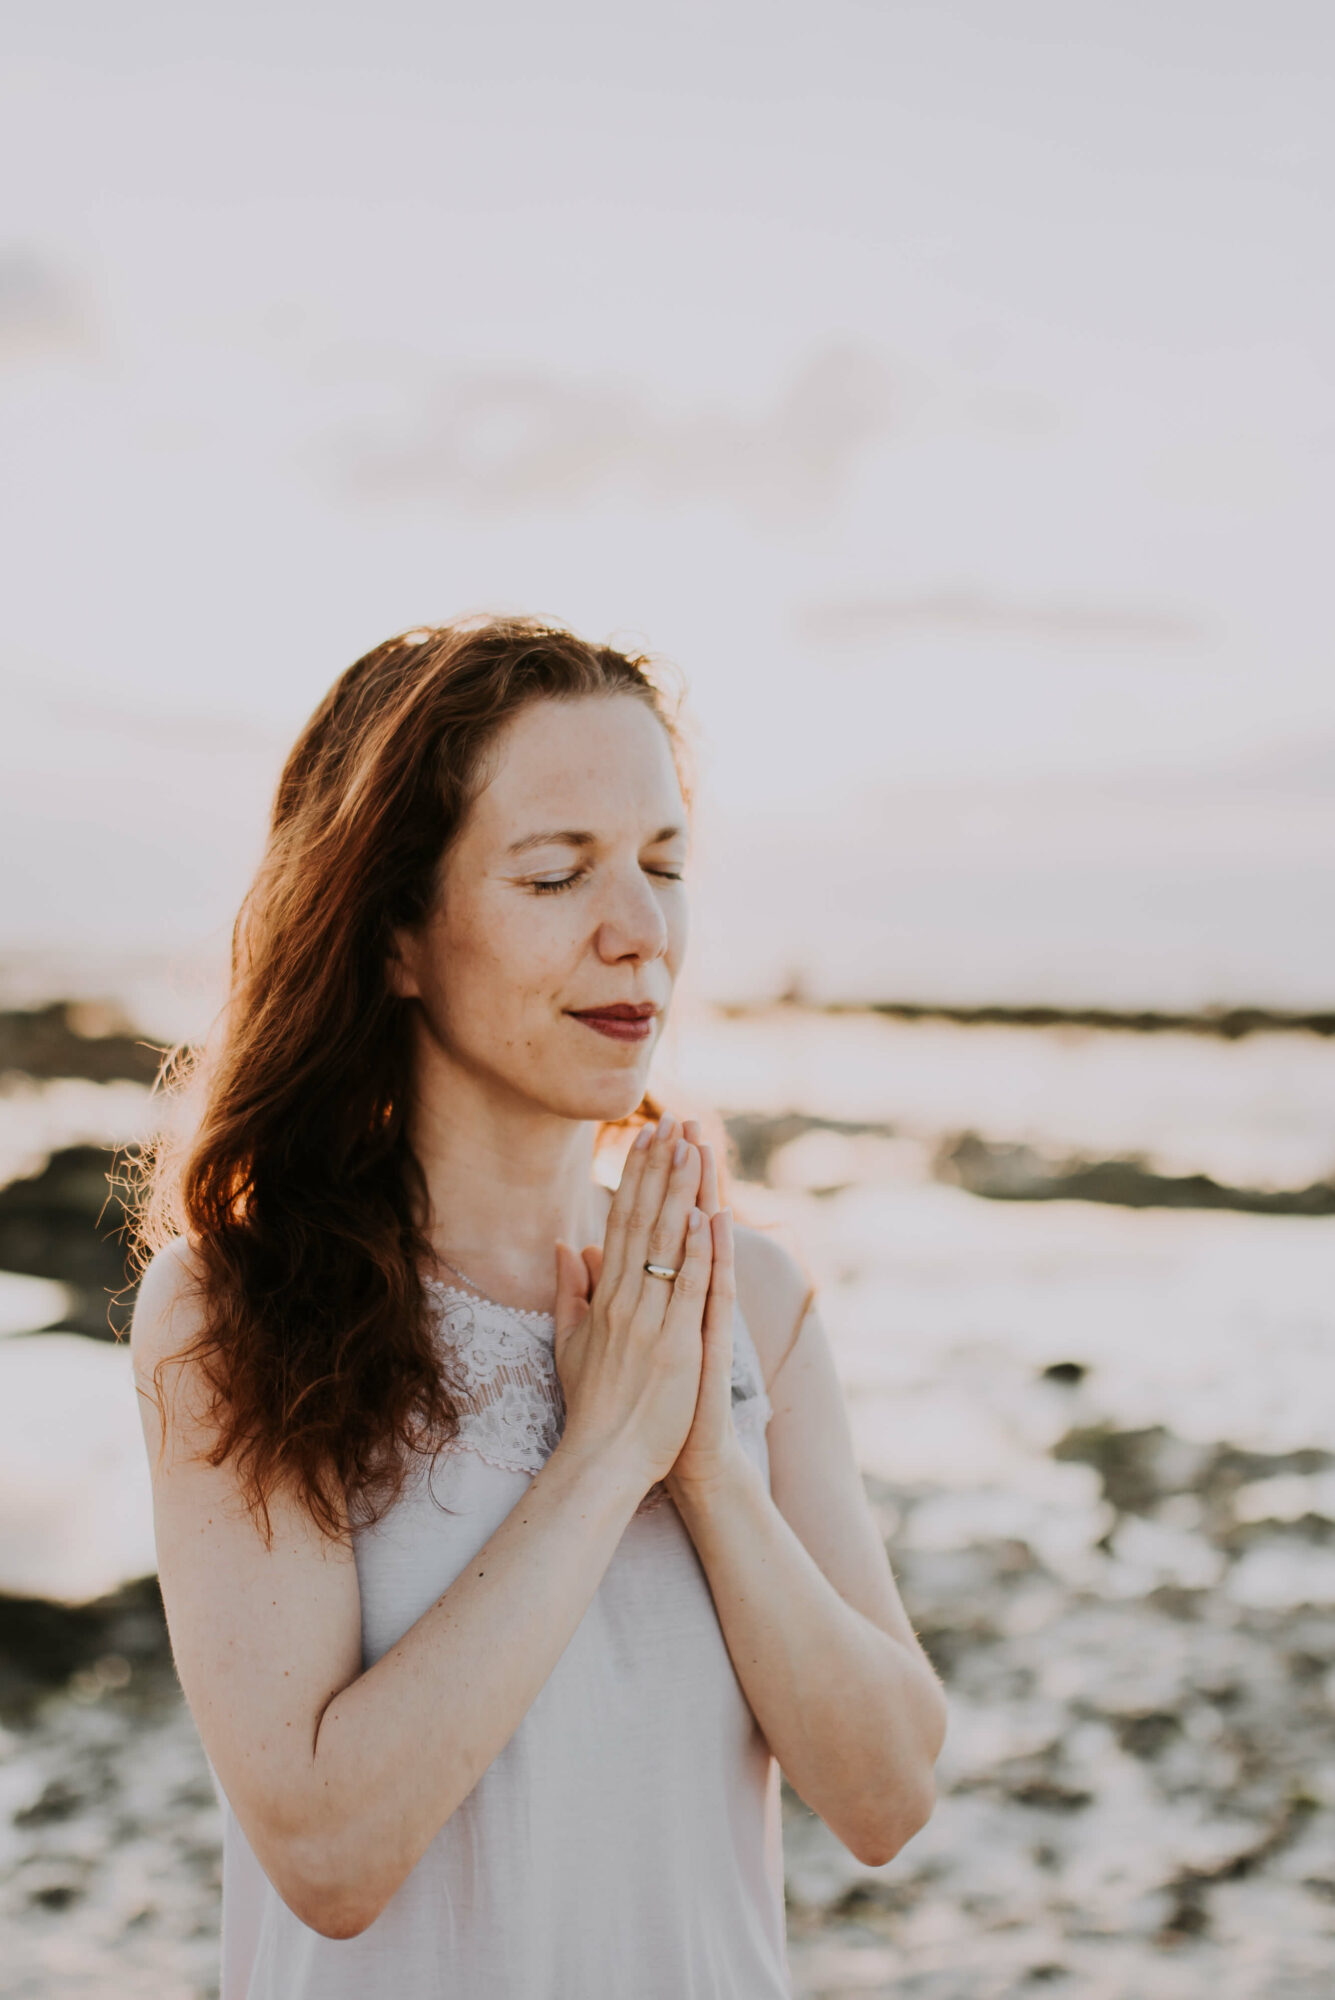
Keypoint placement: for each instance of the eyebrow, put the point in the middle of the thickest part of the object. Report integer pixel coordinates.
(574, 837)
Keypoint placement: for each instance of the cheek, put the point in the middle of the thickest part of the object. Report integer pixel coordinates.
(529, 947)
(499, 963)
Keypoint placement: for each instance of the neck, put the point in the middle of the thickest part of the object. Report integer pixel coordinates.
(505, 1179)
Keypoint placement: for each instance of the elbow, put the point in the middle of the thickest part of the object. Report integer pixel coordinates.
(908, 1800)
(328, 1898)
(331, 1909)
(880, 1838)
(336, 1916)
(330, 1920)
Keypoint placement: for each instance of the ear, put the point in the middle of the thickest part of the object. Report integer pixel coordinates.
(400, 966)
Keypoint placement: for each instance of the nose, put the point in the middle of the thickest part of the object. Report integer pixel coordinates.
(632, 924)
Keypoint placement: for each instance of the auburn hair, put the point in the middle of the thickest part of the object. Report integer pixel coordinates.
(297, 1190)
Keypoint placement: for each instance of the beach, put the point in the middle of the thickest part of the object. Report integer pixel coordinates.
(938, 400)
(1077, 1281)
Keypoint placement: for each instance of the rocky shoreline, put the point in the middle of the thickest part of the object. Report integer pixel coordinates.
(1140, 1798)
(1126, 1583)
(70, 1038)
(1134, 1794)
(1228, 1024)
(67, 1221)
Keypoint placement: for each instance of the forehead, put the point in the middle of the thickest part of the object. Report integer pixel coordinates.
(600, 764)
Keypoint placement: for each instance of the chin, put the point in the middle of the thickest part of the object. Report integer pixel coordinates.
(610, 1106)
(602, 1099)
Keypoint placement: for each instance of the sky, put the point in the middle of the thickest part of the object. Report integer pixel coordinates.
(947, 390)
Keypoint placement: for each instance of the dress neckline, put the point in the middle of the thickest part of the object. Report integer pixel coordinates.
(477, 1297)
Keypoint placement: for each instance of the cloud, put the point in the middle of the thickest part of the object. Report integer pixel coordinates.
(869, 621)
(504, 439)
(41, 310)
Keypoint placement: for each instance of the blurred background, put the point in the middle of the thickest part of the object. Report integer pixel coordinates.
(948, 392)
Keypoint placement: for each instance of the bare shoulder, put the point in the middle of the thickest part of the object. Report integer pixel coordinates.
(166, 1307)
(773, 1292)
(167, 1317)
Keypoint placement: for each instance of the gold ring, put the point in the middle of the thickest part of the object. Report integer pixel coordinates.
(660, 1271)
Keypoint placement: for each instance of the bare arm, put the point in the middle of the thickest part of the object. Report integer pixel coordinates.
(341, 1777)
(814, 1624)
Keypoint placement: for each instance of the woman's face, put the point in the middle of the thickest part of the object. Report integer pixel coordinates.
(547, 962)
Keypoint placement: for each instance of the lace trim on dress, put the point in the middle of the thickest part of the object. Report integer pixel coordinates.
(499, 1368)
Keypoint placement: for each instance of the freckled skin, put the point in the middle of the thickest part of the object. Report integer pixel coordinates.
(505, 955)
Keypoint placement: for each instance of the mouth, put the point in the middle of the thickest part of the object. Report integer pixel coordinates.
(623, 1022)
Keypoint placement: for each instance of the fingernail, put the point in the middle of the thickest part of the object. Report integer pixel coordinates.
(679, 1152)
(644, 1137)
(695, 1218)
(664, 1126)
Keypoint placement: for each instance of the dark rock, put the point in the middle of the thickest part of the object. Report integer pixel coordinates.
(1045, 1795)
(55, 1895)
(59, 1801)
(756, 1136)
(1146, 1735)
(1190, 1913)
(1188, 1917)
(1021, 1173)
(68, 1222)
(1229, 1468)
(43, 1644)
(1252, 1534)
(1138, 1467)
(1230, 1024)
(1068, 1374)
(69, 1038)
(873, 1894)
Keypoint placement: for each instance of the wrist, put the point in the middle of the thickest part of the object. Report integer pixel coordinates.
(734, 1478)
(611, 1464)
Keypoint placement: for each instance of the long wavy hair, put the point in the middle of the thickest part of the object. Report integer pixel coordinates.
(297, 1190)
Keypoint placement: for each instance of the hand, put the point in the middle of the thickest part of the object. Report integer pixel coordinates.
(628, 1346)
(711, 1450)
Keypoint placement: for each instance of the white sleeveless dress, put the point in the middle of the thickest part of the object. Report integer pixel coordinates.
(625, 1844)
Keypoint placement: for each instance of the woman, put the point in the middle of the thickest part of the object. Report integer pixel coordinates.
(499, 1572)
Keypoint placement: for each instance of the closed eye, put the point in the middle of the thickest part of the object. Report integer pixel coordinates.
(553, 885)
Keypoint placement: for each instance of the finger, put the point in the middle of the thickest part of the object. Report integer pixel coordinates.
(709, 1184)
(690, 1291)
(667, 1238)
(623, 1201)
(593, 1264)
(709, 1187)
(722, 1298)
(572, 1290)
(646, 1202)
